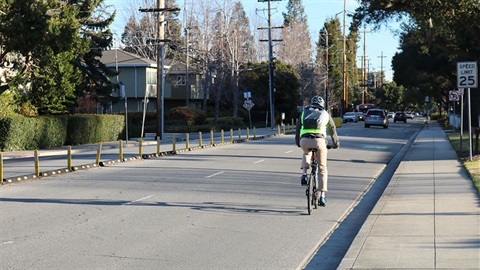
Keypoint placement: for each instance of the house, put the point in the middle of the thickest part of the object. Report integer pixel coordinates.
(139, 78)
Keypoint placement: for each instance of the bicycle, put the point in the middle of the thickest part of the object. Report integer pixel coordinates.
(312, 181)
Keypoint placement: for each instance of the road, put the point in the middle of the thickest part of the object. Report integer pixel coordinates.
(238, 206)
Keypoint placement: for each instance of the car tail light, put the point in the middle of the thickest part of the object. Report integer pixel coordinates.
(382, 116)
(367, 115)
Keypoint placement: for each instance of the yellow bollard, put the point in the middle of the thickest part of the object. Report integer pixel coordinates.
(37, 162)
(254, 133)
(187, 139)
(174, 143)
(1, 168)
(158, 145)
(140, 144)
(222, 140)
(211, 137)
(278, 128)
(69, 157)
(231, 135)
(120, 150)
(200, 139)
(239, 134)
(248, 134)
(99, 153)
(284, 130)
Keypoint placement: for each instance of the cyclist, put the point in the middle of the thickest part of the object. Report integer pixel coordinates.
(311, 132)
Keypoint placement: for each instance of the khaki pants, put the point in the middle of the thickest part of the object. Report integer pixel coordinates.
(321, 145)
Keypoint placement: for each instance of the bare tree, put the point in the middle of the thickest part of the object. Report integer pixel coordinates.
(296, 48)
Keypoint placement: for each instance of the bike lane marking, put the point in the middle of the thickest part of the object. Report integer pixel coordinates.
(141, 199)
(215, 174)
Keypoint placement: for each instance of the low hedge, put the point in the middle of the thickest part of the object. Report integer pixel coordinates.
(28, 133)
(86, 128)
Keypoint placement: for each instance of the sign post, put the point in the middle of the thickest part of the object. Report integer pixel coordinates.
(467, 77)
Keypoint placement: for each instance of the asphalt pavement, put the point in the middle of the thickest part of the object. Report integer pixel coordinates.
(427, 218)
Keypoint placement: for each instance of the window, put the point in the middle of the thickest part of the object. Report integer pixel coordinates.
(181, 80)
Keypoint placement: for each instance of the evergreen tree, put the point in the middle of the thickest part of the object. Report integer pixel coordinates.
(65, 61)
(96, 33)
(46, 76)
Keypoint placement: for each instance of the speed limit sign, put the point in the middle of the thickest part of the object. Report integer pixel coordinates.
(467, 75)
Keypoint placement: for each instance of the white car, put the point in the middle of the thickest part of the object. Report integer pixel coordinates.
(350, 117)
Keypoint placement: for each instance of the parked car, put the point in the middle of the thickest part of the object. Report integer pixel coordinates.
(350, 117)
(400, 116)
(361, 116)
(409, 115)
(376, 117)
(390, 115)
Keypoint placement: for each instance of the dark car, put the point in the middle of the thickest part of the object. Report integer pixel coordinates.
(361, 116)
(400, 116)
(376, 117)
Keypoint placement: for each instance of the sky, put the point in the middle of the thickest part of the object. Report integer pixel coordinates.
(379, 43)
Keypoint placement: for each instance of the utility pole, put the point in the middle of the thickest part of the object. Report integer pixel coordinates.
(270, 62)
(345, 86)
(160, 11)
(364, 65)
(325, 96)
(187, 83)
(381, 69)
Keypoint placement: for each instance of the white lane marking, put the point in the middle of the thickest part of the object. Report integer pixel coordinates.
(7, 242)
(259, 161)
(289, 152)
(141, 199)
(215, 174)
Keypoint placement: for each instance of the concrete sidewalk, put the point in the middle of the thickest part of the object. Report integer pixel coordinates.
(427, 218)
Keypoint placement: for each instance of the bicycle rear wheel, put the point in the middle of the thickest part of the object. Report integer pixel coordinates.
(310, 194)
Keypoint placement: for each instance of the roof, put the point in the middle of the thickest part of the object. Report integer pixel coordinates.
(119, 57)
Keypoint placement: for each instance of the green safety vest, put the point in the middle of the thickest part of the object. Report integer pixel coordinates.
(314, 121)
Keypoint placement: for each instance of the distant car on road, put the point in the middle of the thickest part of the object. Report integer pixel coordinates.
(376, 117)
(400, 116)
(361, 116)
(390, 115)
(409, 115)
(350, 117)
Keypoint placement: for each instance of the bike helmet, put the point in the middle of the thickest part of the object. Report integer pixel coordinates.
(317, 101)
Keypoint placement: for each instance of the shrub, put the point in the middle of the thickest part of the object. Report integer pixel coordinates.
(190, 116)
(93, 128)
